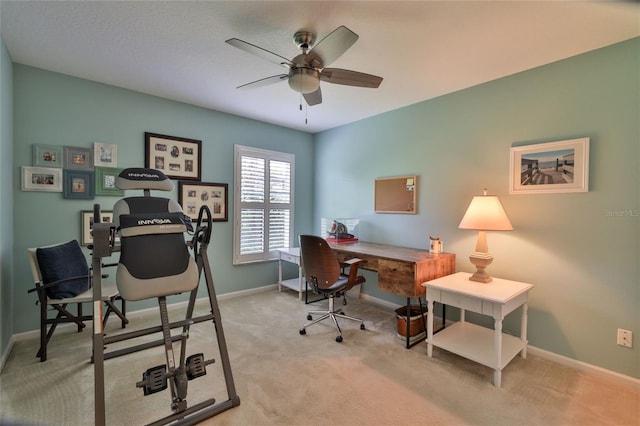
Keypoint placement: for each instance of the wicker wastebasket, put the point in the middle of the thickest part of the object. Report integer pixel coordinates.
(416, 324)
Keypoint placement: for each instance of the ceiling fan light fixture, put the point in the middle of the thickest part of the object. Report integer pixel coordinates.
(304, 80)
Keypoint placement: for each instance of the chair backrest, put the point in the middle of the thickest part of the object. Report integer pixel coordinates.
(154, 256)
(319, 262)
(58, 262)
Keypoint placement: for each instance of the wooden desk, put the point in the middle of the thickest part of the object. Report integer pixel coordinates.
(401, 270)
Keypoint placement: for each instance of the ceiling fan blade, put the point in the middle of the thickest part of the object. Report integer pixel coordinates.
(259, 51)
(332, 46)
(264, 81)
(313, 98)
(350, 78)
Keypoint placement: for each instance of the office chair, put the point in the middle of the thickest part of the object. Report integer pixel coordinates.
(62, 278)
(323, 272)
(155, 262)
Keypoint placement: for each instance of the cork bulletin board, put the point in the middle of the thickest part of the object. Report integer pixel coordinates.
(396, 194)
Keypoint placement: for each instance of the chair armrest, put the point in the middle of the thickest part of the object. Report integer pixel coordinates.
(355, 261)
(55, 283)
(353, 269)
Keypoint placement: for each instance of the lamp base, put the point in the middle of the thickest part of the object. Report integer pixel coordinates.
(480, 261)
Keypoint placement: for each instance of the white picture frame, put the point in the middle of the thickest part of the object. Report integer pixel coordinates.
(552, 167)
(105, 154)
(41, 179)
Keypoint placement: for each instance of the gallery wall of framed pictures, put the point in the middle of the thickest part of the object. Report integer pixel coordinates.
(76, 172)
(83, 173)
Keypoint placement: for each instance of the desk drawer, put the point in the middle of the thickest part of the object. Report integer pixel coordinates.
(398, 278)
(461, 301)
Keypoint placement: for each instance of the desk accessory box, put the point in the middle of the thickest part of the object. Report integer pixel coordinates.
(340, 230)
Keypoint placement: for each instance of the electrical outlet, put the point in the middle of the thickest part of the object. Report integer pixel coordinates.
(625, 338)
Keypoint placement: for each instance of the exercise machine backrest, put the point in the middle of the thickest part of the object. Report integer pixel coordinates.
(154, 256)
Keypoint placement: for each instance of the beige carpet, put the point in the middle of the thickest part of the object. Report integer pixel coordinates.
(284, 378)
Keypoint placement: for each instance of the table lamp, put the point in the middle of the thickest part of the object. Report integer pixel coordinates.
(485, 213)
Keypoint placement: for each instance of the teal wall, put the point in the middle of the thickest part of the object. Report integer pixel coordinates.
(56, 109)
(580, 250)
(6, 210)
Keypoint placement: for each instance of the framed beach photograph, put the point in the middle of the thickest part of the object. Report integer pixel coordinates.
(178, 158)
(192, 196)
(551, 167)
(47, 155)
(106, 181)
(44, 179)
(106, 216)
(78, 158)
(105, 154)
(78, 184)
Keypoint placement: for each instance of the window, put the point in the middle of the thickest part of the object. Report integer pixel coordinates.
(263, 203)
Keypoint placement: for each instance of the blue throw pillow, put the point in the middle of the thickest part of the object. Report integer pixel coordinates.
(61, 262)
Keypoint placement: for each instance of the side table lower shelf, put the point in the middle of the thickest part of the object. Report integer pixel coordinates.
(477, 343)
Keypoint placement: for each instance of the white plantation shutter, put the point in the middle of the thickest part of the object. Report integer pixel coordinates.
(263, 214)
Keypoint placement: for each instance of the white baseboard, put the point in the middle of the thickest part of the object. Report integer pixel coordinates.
(583, 366)
(5, 354)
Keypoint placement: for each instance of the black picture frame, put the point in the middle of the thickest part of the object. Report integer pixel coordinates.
(86, 219)
(193, 195)
(176, 157)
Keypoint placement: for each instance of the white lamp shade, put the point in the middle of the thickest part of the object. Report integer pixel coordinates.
(304, 80)
(485, 213)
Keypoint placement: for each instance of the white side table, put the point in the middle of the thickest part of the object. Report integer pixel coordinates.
(497, 298)
(291, 255)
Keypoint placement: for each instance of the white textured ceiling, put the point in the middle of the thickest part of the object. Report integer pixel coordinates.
(422, 49)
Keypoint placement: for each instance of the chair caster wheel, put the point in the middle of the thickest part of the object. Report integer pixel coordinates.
(309, 317)
(361, 326)
(303, 331)
(339, 339)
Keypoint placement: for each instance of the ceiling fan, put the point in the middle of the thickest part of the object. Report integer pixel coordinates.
(308, 68)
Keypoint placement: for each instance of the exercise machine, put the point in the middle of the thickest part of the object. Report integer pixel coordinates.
(155, 262)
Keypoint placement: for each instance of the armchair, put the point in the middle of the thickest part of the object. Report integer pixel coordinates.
(62, 277)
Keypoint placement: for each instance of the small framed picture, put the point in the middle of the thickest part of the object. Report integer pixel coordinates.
(106, 216)
(550, 167)
(47, 155)
(192, 196)
(78, 158)
(78, 184)
(105, 154)
(178, 158)
(106, 181)
(45, 179)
